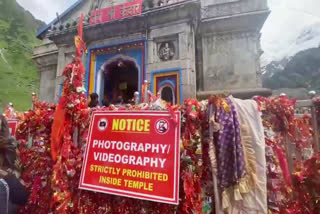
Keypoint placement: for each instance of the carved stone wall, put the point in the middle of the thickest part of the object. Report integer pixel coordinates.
(167, 48)
(180, 53)
(48, 84)
(216, 8)
(46, 57)
(169, 35)
(214, 43)
(65, 56)
(230, 60)
(206, 3)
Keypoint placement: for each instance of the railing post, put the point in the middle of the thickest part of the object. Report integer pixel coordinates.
(290, 153)
(136, 98)
(315, 128)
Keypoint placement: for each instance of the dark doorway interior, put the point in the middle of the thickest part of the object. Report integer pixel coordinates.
(120, 81)
(167, 95)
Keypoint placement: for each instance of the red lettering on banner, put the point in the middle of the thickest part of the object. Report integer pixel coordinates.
(13, 124)
(127, 155)
(122, 11)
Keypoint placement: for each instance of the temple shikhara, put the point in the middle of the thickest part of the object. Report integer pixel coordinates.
(183, 48)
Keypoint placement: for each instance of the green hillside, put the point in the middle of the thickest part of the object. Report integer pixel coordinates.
(19, 76)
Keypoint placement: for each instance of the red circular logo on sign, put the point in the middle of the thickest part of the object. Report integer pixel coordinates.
(102, 124)
(162, 126)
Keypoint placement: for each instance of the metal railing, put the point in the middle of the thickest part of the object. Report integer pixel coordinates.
(304, 107)
(307, 107)
(150, 4)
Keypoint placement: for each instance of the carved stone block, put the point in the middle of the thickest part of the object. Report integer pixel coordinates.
(167, 48)
(206, 3)
(216, 8)
(230, 61)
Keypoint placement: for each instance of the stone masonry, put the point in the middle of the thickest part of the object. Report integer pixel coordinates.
(216, 43)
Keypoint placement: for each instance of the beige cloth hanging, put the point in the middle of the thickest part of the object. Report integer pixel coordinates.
(254, 202)
(213, 159)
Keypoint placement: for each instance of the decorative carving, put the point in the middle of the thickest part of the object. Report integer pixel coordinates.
(166, 51)
(166, 48)
(160, 3)
(216, 2)
(228, 7)
(99, 4)
(231, 60)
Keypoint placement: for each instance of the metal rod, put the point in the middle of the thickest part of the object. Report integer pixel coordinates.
(315, 128)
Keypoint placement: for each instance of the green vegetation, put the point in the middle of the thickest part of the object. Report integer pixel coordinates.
(302, 71)
(19, 76)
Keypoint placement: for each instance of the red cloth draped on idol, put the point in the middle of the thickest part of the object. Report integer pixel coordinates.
(278, 117)
(56, 134)
(33, 134)
(296, 193)
(69, 134)
(306, 194)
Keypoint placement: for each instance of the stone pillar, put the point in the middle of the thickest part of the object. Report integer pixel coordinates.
(230, 47)
(231, 61)
(182, 42)
(46, 57)
(65, 56)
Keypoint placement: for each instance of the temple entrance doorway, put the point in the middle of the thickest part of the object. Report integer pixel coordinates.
(167, 95)
(120, 81)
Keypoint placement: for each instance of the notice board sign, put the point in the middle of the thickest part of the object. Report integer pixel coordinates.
(116, 12)
(13, 124)
(133, 154)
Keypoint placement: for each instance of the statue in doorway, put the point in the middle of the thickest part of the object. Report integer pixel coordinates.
(166, 51)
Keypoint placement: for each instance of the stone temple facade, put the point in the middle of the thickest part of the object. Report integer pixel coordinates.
(184, 48)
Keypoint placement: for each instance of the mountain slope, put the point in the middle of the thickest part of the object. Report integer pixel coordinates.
(308, 37)
(292, 26)
(18, 73)
(300, 71)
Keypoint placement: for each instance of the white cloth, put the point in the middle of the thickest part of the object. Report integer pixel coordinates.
(217, 202)
(213, 159)
(255, 202)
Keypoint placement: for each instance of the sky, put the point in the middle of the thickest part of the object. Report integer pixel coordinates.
(46, 10)
(287, 20)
